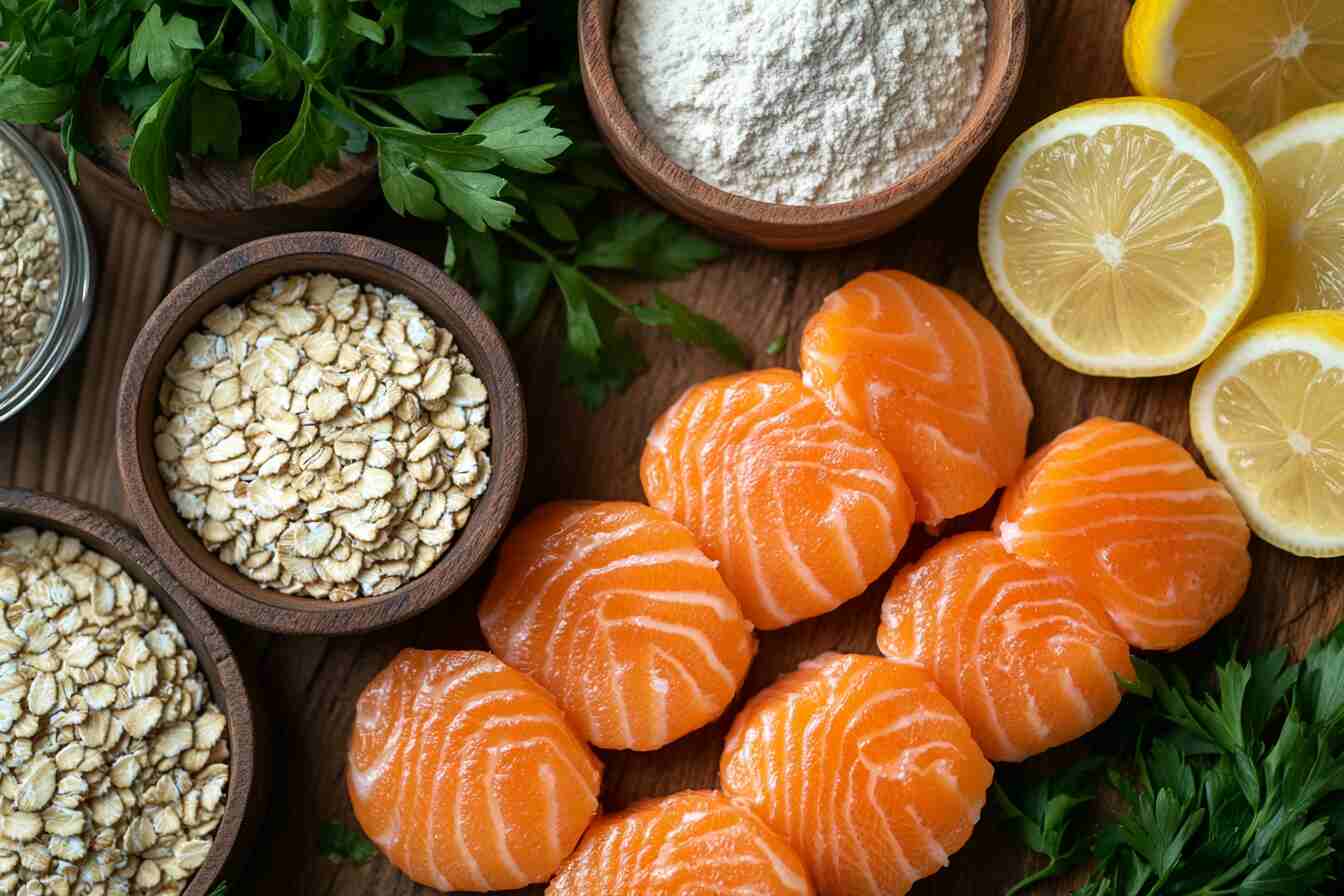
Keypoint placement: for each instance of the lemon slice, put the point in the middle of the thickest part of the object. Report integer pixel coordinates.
(1126, 236)
(1267, 412)
(1302, 164)
(1252, 63)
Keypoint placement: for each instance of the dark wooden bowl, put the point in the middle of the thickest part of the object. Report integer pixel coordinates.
(232, 277)
(213, 201)
(793, 227)
(102, 532)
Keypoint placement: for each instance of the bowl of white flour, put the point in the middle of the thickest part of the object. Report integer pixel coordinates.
(799, 124)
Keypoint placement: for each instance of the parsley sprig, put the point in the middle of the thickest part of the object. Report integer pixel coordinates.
(339, 843)
(473, 107)
(1234, 787)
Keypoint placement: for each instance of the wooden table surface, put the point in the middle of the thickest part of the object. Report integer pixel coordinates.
(63, 443)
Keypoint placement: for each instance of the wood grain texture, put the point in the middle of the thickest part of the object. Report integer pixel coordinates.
(793, 227)
(100, 531)
(231, 278)
(213, 200)
(64, 442)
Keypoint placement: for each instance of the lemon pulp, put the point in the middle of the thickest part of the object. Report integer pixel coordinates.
(1252, 63)
(1125, 235)
(1118, 239)
(1268, 413)
(1302, 164)
(1282, 419)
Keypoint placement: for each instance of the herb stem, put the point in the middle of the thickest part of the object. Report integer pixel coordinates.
(549, 257)
(538, 249)
(384, 114)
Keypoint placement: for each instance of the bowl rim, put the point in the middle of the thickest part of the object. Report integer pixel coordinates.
(218, 585)
(642, 152)
(79, 272)
(107, 534)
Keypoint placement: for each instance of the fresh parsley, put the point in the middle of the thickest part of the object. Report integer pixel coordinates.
(1235, 786)
(338, 843)
(474, 107)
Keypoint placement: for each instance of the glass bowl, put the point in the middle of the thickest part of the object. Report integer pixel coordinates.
(74, 303)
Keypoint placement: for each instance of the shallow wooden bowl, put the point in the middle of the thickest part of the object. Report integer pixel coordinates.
(231, 278)
(213, 200)
(104, 533)
(794, 227)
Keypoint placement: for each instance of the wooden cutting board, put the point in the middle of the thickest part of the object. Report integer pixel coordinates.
(63, 444)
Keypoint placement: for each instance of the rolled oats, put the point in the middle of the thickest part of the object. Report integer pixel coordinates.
(30, 265)
(107, 734)
(324, 438)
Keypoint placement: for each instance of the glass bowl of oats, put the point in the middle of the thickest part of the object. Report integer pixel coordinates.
(46, 271)
(125, 723)
(321, 433)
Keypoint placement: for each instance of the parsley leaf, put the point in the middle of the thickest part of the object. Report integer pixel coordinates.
(446, 97)
(405, 190)
(472, 195)
(518, 131)
(340, 844)
(24, 102)
(689, 327)
(651, 245)
(486, 7)
(1237, 789)
(313, 140)
(162, 46)
(152, 157)
(216, 122)
(1042, 811)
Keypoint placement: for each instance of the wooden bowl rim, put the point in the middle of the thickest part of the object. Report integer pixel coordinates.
(270, 610)
(1006, 17)
(108, 535)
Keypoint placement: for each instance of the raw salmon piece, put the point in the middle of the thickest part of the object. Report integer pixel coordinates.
(801, 509)
(864, 767)
(614, 609)
(1133, 520)
(1029, 661)
(694, 843)
(921, 369)
(465, 773)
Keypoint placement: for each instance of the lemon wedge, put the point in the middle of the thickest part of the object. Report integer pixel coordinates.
(1267, 411)
(1127, 236)
(1252, 63)
(1302, 164)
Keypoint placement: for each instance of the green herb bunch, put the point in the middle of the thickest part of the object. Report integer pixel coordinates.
(1235, 787)
(472, 106)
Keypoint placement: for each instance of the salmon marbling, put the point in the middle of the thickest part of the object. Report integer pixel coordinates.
(801, 509)
(1029, 661)
(1130, 517)
(918, 367)
(612, 607)
(693, 843)
(466, 774)
(864, 767)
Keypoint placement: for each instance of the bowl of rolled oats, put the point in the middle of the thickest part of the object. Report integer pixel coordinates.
(321, 433)
(46, 272)
(127, 734)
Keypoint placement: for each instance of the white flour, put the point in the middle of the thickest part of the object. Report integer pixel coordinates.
(803, 102)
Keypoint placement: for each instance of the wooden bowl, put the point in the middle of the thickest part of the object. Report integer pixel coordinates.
(231, 278)
(104, 533)
(213, 201)
(796, 227)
